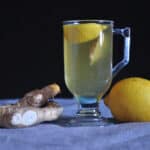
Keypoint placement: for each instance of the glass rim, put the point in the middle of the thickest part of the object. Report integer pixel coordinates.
(65, 22)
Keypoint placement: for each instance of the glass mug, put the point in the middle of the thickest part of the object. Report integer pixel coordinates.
(88, 48)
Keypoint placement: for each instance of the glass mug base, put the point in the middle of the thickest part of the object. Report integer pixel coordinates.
(87, 115)
(88, 121)
(84, 121)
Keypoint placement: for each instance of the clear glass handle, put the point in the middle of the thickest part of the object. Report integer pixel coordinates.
(125, 32)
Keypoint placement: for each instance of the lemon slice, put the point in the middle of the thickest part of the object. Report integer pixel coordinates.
(79, 33)
(95, 52)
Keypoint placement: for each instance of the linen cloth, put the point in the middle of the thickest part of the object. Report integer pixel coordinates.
(52, 136)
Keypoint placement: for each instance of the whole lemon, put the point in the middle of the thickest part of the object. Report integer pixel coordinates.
(129, 100)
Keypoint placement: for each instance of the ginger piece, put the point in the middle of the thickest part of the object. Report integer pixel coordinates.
(39, 97)
(32, 109)
(12, 116)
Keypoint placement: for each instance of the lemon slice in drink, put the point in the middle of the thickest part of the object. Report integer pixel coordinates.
(79, 33)
(95, 52)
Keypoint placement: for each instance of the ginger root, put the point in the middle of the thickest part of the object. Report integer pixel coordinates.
(39, 97)
(32, 109)
(13, 116)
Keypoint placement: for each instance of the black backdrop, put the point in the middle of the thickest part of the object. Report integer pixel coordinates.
(31, 48)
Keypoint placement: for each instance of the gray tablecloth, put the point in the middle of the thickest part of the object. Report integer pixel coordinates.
(50, 136)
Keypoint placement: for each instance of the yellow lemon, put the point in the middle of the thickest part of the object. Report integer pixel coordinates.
(129, 100)
(79, 33)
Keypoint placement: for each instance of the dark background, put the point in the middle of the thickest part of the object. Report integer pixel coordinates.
(31, 48)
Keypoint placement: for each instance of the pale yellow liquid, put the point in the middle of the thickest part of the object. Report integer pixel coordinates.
(84, 76)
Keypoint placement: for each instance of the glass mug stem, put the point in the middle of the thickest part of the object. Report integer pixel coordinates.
(88, 114)
(88, 109)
